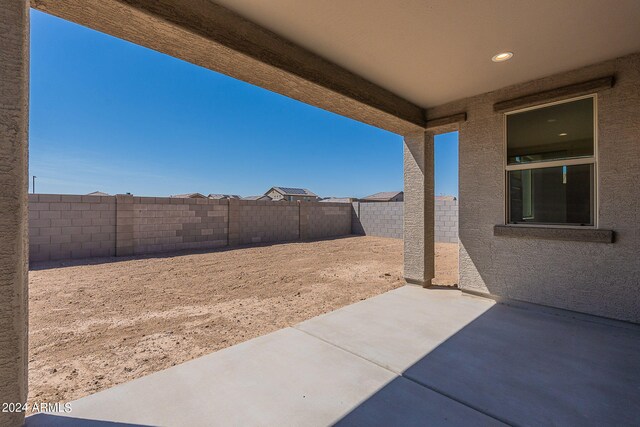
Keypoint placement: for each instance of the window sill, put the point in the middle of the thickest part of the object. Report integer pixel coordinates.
(555, 233)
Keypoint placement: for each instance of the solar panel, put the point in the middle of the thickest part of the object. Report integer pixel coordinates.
(293, 190)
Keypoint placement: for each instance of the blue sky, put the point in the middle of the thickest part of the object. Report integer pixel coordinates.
(112, 116)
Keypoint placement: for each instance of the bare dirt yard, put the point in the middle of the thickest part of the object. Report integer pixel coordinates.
(100, 322)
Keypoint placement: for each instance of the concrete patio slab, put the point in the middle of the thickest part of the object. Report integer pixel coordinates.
(405, 403)
(284, 378)
(398, 328)
(525, 366)
(408, 357)
(533, 368)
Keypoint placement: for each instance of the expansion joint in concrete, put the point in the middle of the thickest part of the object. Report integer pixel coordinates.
(401, 374)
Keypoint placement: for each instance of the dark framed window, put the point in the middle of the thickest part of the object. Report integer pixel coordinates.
(551, 164)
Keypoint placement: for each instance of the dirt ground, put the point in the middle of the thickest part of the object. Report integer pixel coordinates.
(101, 322)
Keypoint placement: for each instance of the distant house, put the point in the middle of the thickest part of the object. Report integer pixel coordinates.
(189, 196)
(385, 196)
(98, 193)
(224, 196)
(339, 199)
(261, 197)
(291, 194)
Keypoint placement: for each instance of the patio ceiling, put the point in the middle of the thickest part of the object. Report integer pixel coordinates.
(432, 52)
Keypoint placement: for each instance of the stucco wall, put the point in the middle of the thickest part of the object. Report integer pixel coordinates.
(14, 116)
(418, 220)
(596, 278)
(275, 195)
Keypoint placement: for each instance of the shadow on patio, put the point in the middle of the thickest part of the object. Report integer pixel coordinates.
(525, 367)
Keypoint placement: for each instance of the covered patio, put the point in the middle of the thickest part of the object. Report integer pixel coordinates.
(407, 357)
(548, 214)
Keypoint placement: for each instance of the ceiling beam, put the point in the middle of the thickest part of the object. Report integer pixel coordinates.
(211, 36)
(447, 121)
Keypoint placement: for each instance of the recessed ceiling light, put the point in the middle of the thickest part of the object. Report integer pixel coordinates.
(503, 56)
(552, 120)
(562, 134)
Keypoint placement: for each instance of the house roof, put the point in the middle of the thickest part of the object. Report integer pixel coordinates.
(384, 195)
(291, 191)
(224, 196)
(256, 197)
(98, 193)
(189, 196)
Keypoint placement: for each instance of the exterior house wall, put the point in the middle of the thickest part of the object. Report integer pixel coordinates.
(14, 165)
(596, 278)
(301, 198)
(275, 195)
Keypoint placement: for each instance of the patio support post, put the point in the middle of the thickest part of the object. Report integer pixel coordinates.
(419, 250)
(14, 116)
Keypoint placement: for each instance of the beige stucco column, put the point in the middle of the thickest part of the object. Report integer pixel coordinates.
(419, 256)
(14, 104)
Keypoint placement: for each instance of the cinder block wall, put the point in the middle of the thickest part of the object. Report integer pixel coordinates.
(319, 220)
(446, 224)
(162, 224)
(68, 226)
(384, 219)
(73, 226)
(257, 221)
